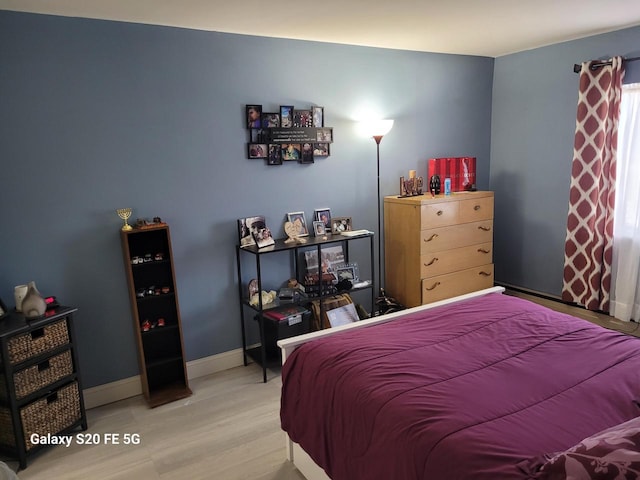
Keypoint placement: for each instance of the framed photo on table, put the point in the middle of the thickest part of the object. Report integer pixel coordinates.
(323, 215)
(341, 224)
(318, 229)
(300, 222)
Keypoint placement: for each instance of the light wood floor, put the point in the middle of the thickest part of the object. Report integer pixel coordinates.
(229, 429)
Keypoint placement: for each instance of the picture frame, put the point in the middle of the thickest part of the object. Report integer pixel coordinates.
(290, 151)
(317, 113)
(300, 222)
(258, 135)
(323, 215)
(270, 120)
(302, 119)
(347, 271)
(257, 150)
(275, 154)
(253, 116)
(306, 155)
(330, 256)
(263, 237)
(320, 150)
(324, 135)
(341, 224)
(319, 229)
(245, 227)
(286, 116)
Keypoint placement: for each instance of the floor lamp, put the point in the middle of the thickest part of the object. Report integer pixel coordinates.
(378, 129)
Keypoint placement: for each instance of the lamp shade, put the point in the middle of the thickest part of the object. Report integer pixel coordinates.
(375, 128)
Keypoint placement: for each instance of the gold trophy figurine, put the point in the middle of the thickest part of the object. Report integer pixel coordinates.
(124, 214)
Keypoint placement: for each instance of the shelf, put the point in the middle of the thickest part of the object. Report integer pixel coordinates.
(302, 300)
(168, 393)
(160, 349)
(268, 341)
(280, 244)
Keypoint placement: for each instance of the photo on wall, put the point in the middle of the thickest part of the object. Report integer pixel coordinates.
(254, 116)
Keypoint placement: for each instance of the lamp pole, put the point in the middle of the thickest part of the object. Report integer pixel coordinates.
(378, 139)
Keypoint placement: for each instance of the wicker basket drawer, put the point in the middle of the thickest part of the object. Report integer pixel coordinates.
(49, 414)
(38, 376)
(41, 340)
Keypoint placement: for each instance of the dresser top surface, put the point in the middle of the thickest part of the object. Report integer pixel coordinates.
(14, 323)
(427, 198)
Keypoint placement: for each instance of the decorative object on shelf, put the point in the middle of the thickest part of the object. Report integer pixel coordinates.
(33, 304)
(263, 237)
(323, 215)
(377, 129)
(347, 271)
(434, 185)
(124, 214)
(245, 228)
(412, 186)
(253, 287)
(319, 229)
(290, 134)
(461, 171)
(293, 233)
(267, 298)
(19, 292)
(299, 222)
(3, 309)
(341, 224)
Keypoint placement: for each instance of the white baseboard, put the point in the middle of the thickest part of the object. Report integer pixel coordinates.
(130, 387)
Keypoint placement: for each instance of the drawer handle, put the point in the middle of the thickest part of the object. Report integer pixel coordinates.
(433, 260)
(433, 286)
(440, 212)
(476, 208)
(435, 235)
(37, 333)
(484, 229)
(484, 274)
(43, 365)
(52, 398)
(482, 250)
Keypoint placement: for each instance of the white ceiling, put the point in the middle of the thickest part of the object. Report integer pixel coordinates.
(472, 27)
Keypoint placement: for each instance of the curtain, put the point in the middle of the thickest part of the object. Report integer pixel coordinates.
(625, 291)
(589, 239)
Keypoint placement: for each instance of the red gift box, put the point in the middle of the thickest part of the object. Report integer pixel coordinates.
(461, 171)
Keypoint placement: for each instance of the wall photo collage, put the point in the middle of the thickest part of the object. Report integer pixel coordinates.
(289, 134)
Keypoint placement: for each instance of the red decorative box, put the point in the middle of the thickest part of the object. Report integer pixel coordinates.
(461, 171)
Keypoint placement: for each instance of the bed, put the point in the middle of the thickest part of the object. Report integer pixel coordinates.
(482, 386)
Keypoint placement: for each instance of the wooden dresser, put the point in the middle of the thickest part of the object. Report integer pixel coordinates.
(438, 247)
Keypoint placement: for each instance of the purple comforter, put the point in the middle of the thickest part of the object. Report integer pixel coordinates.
(477, 390)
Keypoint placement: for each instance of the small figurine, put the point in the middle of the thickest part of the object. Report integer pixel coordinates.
(434, 185)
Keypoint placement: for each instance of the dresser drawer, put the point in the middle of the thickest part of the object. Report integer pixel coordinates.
(455, 236)
(41, 375)
(475, 209)
(458, 283)
(38, 341)
(50, 414)
(438, 214)
(447, 261)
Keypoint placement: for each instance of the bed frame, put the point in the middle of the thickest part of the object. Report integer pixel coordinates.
(295, 453)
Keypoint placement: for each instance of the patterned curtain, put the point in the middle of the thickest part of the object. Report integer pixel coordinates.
(589, 240)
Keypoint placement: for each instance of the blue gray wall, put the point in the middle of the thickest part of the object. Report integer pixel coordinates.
(535, 96)
(99, 115)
